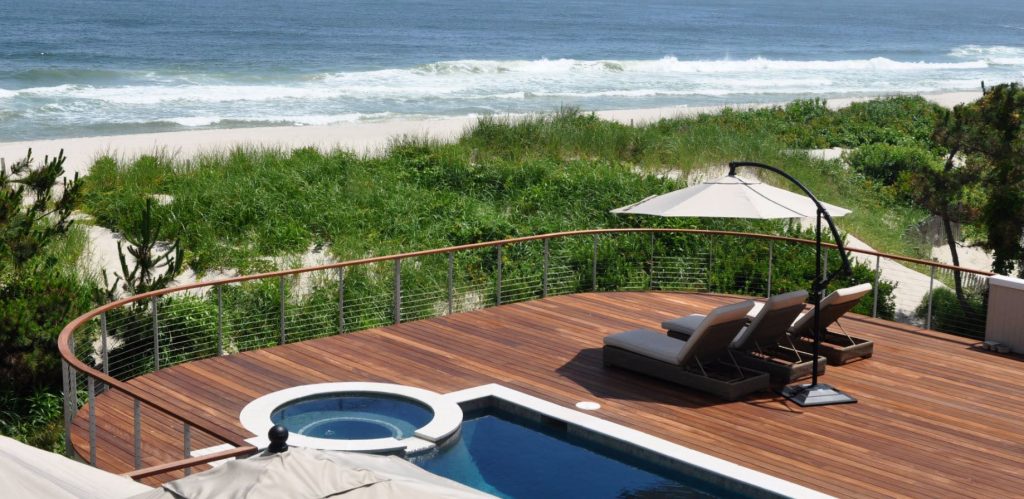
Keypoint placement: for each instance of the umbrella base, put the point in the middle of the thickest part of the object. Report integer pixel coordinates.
(807, 395)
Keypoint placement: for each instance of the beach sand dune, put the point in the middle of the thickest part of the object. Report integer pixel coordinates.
(361, 138)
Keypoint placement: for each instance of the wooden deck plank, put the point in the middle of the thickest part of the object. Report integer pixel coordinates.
(936, 417)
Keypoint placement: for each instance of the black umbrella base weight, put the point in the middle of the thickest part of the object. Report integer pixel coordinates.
(808, 395)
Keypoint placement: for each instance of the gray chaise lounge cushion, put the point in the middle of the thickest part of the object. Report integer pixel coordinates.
(684, 324)
(648, 343)
(690, 323)
(832, 308)
(661, 347)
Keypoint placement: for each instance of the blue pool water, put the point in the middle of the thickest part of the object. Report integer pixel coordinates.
(352, 416)
(510, 456)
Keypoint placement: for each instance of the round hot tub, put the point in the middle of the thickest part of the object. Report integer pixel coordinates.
(366, 417)
(353, 416)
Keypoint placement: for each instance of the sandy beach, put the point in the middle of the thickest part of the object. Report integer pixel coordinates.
(361, 138)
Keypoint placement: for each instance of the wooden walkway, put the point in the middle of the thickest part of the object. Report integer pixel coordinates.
(936, 417)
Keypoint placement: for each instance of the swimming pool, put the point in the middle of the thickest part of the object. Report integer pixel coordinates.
(511, 456)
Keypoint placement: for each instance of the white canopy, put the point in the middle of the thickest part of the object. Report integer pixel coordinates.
(307, 474)
(28, 472)
(730, 197)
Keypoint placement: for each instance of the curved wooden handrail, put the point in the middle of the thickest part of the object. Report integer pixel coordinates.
(66, 334)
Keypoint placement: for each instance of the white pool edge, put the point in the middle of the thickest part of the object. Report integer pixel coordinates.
(709, 463)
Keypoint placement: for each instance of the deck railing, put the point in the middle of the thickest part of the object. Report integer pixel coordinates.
(114, 343)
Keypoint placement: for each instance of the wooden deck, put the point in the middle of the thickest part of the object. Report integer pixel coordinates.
(936, 417)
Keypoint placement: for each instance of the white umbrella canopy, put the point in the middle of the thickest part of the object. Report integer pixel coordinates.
(308, 474)
(28, 472)
(730, 196)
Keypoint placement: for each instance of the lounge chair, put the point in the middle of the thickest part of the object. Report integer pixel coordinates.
(696, 363)
(764, 345)
(838, 348)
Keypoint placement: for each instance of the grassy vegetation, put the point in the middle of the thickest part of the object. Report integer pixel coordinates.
(501, 179)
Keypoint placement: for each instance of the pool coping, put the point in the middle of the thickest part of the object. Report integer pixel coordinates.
(255, 417)
(727, 473)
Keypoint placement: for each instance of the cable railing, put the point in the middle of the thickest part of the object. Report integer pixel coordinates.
(108, 346)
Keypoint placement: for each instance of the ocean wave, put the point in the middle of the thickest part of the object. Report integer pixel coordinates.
(671, 64)
(518, 79)
(43, 75)
(996, 54)
(309, 119)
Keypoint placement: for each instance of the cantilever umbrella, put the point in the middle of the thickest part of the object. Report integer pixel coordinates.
(733, 196)
(730, 196)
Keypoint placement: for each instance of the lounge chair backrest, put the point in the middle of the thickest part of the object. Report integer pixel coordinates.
(832, 308)
(772, 322)
(715, 332)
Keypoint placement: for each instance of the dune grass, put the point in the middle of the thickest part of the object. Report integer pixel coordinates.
(501, 179)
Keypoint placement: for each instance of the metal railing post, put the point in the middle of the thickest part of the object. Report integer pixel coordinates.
(137, 432)
(156, 334)
(878, 275)
(220, 321)
(544, 275)
(451, 282)
(771, 246)
(931, 287)
(92, 420)
(104, 348)
(68, 411)
(341, 300)
(186, 446)
(282, 298)
(650, 278)
(398, 291)
(73, 378)
(593, 266)
(711, 263)
(824, 262)
(497, 289)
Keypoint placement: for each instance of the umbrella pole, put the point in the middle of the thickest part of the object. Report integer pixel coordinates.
(816, 296)
(814, 394)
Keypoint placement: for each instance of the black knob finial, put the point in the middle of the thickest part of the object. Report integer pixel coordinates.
(278, 436)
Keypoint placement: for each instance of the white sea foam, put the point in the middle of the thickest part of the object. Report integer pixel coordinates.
(503, 80)
(670, 64)
(308, 119)
(998, 54)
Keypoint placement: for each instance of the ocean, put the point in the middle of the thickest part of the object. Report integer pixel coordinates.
(103, 67)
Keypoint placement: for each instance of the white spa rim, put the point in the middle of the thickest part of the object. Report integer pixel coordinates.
(255, 417)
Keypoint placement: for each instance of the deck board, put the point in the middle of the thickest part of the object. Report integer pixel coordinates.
(936, 416)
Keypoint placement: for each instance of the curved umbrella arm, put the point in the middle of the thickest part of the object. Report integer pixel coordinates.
(845, 267)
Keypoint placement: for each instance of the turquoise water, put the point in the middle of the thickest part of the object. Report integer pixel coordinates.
(509, 456)
(353, 416)
(123, 66)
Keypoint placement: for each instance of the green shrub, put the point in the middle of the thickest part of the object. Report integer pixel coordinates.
(885, 162)
(949, 315)
(35, 419)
